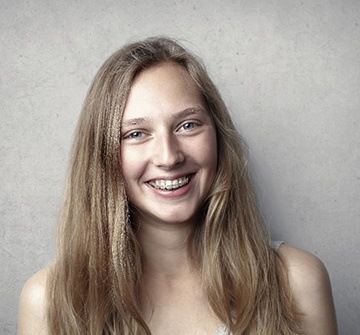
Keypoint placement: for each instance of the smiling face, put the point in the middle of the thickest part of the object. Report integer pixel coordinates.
(168, 146)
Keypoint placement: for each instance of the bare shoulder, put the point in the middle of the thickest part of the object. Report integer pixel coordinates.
(310, 286)
(32, 305)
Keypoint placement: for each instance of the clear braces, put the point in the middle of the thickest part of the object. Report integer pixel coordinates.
(170, 184)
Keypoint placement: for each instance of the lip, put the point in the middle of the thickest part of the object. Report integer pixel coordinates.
(172, 193)
(164, 183)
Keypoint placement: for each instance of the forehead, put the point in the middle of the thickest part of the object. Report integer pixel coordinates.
(163, 87)
(165, 77)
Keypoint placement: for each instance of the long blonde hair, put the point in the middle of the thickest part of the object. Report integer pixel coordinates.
(94, 284)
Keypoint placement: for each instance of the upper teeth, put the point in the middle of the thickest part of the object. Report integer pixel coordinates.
(169, 184)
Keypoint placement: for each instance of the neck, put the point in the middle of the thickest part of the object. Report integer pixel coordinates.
(165, 249)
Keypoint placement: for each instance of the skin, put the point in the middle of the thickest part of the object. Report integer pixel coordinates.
(32, 312)
(166, 134)
(310, 285)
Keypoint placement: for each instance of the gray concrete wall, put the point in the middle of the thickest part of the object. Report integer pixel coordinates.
(289, 71)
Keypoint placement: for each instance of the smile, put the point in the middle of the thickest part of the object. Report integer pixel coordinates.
(169, 185)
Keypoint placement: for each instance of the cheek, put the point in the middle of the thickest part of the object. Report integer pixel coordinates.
(204, 152)
(128, 165)
(129, 177)
(209, 150)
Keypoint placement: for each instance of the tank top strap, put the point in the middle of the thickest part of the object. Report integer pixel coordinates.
(222, 331)
(276, 244)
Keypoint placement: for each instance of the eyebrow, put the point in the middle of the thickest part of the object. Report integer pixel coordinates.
(135, 121)
(184, 113)
(189, 111)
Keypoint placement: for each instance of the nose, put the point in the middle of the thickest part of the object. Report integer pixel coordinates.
(167, 151)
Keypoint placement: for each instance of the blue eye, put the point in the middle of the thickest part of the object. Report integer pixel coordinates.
(135, 135)
(188, 125)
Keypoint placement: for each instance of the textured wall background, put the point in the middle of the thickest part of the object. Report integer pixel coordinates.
(289, 71)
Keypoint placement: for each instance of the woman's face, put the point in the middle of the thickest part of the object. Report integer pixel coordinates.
(168, 146)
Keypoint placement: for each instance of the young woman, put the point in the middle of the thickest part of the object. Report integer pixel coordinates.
(160, 232)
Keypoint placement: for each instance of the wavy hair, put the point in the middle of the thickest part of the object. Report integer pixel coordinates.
(94, 284)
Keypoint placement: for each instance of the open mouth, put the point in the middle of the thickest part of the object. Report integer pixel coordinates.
(170, 184)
